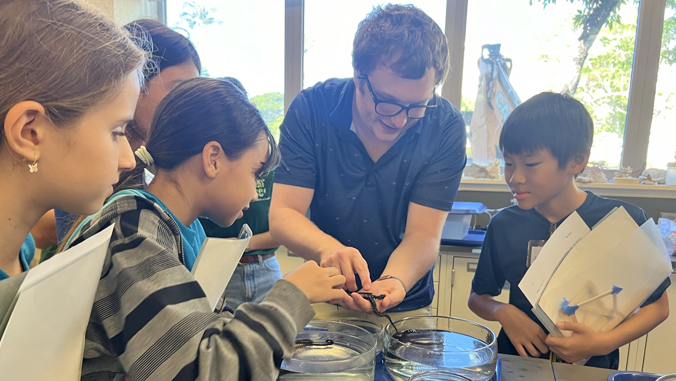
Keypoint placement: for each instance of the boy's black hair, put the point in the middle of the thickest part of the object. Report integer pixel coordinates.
(557, 122)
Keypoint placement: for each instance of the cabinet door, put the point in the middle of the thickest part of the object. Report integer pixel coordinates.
(661, 341)
(461, 284)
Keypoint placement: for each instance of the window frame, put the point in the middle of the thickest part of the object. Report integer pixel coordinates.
(642, 86)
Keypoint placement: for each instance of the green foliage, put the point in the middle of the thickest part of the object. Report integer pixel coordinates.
(195, 13)
(581, 17)
(668, 53)
(605, 78)
(271, 106)
(466, 104)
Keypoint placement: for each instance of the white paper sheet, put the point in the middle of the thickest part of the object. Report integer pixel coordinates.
(616, 253)
(44, 338)
(215, 264)
(635, 263)
(564, 238)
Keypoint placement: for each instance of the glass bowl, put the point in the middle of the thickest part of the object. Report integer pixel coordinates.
(330, 349)
(439, 343)
(630, 375)
(438, 375)
(373, 327)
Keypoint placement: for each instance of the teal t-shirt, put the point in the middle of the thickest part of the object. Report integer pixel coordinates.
(26, 255)
(193, 235)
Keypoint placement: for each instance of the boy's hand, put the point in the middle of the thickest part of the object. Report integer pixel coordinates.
(582, 344)
(526, 335)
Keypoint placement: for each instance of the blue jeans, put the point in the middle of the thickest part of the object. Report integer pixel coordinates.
(251, 282)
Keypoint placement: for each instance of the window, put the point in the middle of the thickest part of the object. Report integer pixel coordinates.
(127, 11)
(534, 48)
(662, 146)
(329, 31)
(538, 41)
(241, 39)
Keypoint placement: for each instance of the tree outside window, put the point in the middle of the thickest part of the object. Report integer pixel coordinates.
(584, 48)
(241, 39)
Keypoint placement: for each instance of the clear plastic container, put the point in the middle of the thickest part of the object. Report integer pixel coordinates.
(439, 343)
(459, 218)
(668, 377)
(336, 351)
(373, 327)
(671, 174)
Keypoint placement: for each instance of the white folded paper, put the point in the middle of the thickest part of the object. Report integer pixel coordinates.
(217, 261)
(597, 277)
(44, 337)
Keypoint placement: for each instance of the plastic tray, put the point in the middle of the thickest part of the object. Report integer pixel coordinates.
(467, 208)
(474, 238)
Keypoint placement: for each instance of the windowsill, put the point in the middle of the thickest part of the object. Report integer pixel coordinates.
(601, 189)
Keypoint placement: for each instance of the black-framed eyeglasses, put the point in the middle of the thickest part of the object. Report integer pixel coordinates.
(387, 108)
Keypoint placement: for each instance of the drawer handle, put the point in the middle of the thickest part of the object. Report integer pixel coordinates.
(471, 267)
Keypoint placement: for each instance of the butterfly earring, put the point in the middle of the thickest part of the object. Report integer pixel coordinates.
(33, 167)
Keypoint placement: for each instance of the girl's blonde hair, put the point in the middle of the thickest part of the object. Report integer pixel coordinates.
(63, 54)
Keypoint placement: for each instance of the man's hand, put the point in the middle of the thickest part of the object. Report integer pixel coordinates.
(582, 344)
(526, 336)
(349, 261)
(392, 289)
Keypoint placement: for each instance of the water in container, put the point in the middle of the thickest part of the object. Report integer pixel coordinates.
(437, 375)
(373, 327)
(440, 344)
(331, 350)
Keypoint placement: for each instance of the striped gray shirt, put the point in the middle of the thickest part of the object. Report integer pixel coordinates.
(151, 319)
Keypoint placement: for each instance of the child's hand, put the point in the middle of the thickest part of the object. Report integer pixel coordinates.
(582, 344)
(526, 335)
(319, 284)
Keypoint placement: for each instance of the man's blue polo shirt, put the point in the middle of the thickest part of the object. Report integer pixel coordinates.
(361, 203)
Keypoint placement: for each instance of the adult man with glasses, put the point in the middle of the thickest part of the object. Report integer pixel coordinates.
(377, 159)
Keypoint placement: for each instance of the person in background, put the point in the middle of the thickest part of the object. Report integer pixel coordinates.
(546, 143)
(70, 81)
(258, 269)
(44, 234)
(377, 159)
(151, 320)
(172, 59)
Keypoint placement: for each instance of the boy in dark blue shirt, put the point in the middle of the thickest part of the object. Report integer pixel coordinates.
(546, 143)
